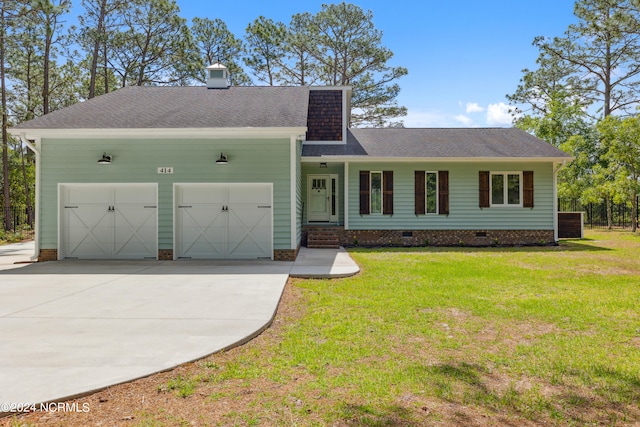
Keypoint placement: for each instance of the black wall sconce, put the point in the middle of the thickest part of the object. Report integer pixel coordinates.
(223, 160)
(105, 160)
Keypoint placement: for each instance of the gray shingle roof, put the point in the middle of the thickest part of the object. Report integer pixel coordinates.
(182, 107)
(438, 143)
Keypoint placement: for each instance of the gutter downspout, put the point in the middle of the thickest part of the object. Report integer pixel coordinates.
(33, 147)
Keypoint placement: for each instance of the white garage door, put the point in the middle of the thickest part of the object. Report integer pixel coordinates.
(109, 221)
(223, 221)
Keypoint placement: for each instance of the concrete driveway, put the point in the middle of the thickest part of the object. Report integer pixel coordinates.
(68, 328)
(71, 327)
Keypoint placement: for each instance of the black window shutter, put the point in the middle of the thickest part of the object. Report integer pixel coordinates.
(364, 193)
(484, 189)
(527, 177)
(419, 192)
(443, 192)
(387, 192)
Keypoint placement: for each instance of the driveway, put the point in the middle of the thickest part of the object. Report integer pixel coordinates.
(71, 327)
(68, 328)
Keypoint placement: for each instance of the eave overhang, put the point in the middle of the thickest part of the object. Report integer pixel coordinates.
(367, 159)
(161, 133)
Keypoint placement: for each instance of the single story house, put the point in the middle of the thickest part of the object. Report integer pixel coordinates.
(220, 172)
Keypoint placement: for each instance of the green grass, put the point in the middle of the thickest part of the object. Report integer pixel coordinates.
(14, 236)
(547, 335)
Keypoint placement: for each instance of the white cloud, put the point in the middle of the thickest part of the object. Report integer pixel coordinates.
(473, 107)
(429, 119)
(499, 115)
(464, 120)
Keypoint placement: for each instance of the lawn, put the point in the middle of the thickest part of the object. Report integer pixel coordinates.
(422, 336)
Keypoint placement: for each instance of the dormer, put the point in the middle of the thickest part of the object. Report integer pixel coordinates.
(329, 115)
(218, 76)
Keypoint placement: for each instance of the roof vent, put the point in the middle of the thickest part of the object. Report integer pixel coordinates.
(218, 76)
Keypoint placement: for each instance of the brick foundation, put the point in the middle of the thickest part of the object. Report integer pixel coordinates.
(285, 254)
(167, 254)
(440, 237)
(48, 255)
(447, 238)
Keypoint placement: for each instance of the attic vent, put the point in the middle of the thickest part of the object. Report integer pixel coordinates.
(217, 77)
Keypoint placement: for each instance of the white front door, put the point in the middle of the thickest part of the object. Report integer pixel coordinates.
(223, 221)
(322, 197)
(108, 221)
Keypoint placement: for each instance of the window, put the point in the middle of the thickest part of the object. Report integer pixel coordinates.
(216, 74)
(506, 189)
(376, 193)
(431, 192)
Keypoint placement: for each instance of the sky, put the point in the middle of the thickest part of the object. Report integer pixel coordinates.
(463, 56)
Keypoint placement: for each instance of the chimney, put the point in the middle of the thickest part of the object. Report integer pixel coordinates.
(218, 77)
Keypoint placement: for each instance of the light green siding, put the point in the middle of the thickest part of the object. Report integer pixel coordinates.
(464, 210)
(193, 160)
(331, 169)
(299, 191)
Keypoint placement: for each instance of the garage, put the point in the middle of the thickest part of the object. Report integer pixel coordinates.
(108, 221)
(223, 221)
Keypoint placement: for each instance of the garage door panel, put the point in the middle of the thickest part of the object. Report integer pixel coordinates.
(87, 231)
(201, 230)
(142, 194)
(248, 249)
(238, 225)
(201, 194)
(95, 226)
(87, 194)
(256, 193)
(135, 231)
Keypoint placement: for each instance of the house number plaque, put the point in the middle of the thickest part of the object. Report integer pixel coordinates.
(165, 170)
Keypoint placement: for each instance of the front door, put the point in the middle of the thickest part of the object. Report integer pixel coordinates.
(322, 198)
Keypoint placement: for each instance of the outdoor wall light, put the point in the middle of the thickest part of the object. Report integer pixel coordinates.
(323, 165)
(105, 160)
(223, 160)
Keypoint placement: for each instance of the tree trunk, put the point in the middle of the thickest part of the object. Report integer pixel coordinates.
(634, 212)
(106, 69)
(45, 69)
(5, 137)
(609, 214)
(96, 49)
(27, 190)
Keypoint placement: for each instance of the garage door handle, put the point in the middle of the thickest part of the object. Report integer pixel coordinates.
(264, 207)
(185, 206)
(71, 207)
(150, 207)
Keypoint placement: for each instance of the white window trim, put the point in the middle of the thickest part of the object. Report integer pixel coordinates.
(505, 189)
(437, 193)
(371, 193)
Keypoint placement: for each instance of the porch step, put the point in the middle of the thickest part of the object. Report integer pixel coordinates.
(323, 238)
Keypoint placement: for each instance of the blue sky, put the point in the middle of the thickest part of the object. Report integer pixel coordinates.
(463, 56)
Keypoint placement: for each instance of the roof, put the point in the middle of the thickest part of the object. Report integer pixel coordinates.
(490, 143)
(146, 107)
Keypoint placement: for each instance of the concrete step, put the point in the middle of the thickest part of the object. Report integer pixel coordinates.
(316, 246)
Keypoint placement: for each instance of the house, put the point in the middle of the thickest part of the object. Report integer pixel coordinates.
(220, 172)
